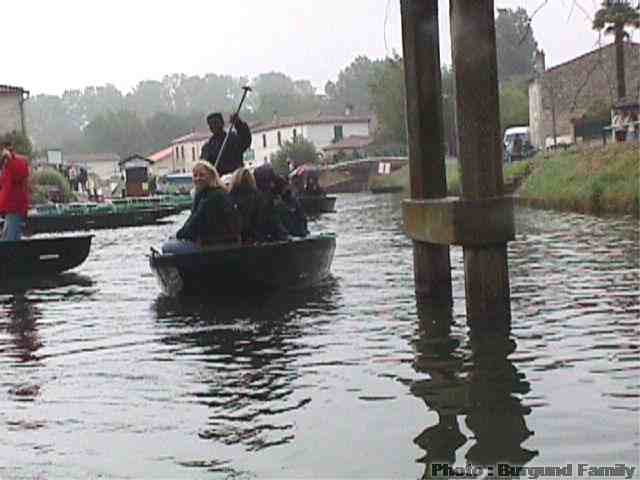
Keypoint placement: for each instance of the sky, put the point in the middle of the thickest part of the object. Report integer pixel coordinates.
(69, 44)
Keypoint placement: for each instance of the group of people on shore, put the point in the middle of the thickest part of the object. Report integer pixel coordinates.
(257, 206)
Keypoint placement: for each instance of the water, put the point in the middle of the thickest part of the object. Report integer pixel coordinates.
(101, 376)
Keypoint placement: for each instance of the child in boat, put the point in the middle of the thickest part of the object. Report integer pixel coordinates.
(214, 219)
(245, 196)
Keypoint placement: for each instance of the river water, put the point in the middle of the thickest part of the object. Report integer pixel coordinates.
(101, 376)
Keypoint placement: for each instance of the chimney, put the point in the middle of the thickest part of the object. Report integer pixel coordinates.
(539, 62)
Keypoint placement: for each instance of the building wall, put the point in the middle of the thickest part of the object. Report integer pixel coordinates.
(574, 87)
(184, 154)
(320, 134)
(10, 113)
(104, 169)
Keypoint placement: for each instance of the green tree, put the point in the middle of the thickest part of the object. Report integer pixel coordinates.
(614, 18)
(298, 152)
(388, 100)
(352, 86)
(121, 132)
(514, 106)
(20, 142)
(515, 43)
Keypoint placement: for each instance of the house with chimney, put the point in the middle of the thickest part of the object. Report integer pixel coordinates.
(561, 96)
(12, 115)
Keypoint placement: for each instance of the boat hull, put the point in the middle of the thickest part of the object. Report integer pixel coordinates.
(314, 204)
(131, 218)
(42, 256)
(292, 264)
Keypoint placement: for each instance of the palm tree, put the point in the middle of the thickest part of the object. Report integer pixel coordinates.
(613, 18)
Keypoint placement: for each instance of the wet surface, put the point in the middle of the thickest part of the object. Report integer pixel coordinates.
(100, 375)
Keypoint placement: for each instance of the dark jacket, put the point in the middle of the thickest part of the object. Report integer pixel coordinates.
(213, 219)
(292, 214)
(247, 201)
(235, 147)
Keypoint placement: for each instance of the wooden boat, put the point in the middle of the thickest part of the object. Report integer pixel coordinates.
(315, 204)
(240, 269)
(87, 219)
(42, 256)
(386, 189)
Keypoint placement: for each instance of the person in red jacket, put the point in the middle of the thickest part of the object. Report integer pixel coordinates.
(14, 192)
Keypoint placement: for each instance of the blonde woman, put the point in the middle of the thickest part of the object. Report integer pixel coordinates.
(214, 218)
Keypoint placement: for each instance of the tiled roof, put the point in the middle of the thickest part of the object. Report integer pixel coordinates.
(352, 141)
(161, 154)
(580, 57)
(8, 89)
(192, 137)
(308, 119)
(90, 157)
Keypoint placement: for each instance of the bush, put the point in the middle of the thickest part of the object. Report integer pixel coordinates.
(45, 178)
(298, 152)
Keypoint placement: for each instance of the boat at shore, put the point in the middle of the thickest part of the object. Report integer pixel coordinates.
(42, 256)
(220, 269)
(316, 204)
(88, 216)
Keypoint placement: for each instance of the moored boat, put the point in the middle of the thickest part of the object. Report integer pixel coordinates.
(42, 256)
(315, 204)
(215, 270)
(93, 216)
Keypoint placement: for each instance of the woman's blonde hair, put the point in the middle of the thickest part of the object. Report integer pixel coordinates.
(216, 181)
(243, 177)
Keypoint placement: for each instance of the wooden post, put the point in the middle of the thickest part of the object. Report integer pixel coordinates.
(473, 39)
(421, 45)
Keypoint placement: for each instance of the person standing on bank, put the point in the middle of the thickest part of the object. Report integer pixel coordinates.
(14, 192)
(237, 143)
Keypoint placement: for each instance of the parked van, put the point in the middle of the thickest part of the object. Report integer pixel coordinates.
(516, 143)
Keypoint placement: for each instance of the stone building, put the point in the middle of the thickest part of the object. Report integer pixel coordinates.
(12, 109)
(565, 92)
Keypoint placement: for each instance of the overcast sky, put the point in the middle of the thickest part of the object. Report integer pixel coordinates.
(50, 46)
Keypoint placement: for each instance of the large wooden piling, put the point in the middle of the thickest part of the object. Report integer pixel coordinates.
(481, 221)
(421, 42)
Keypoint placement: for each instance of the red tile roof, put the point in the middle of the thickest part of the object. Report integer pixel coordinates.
(161, 154)
(192, 137)
(8, 89)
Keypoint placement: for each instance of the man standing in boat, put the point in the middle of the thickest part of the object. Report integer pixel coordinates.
(14, 192)
(234, 148)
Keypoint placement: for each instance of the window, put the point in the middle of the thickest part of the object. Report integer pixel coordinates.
(337, 133)
(295, 135)
(279, 139)
(264, 140)
(182, 151)
(193, 153)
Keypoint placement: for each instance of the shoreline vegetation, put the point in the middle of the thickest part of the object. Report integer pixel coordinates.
(594, 180)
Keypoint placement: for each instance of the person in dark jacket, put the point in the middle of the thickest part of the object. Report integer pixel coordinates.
(270, 227)
(213, 219)
(289, 208)
(237, 143)
(246, 197)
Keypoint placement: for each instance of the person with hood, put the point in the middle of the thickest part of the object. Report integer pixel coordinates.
(234, 148)
(14, 192)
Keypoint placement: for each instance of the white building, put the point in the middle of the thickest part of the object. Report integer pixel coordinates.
(12, 109)
(321, 129)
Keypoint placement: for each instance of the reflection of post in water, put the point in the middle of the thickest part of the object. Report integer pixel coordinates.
(477, 381)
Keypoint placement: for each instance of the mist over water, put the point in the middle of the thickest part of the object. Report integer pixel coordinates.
(100, 375)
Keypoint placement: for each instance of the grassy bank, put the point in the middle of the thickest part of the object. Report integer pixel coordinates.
(597, 180)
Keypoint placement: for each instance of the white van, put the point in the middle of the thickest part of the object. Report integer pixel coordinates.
(517, 137)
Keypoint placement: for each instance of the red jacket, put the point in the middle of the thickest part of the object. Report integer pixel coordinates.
(14, 186)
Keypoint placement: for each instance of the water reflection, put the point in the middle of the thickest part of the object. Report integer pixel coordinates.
(475, 380)
(248, 350)
(20, 321)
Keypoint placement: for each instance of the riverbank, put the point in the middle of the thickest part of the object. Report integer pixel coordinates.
(600, 180)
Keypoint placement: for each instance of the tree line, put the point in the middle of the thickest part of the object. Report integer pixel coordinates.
(146, 119)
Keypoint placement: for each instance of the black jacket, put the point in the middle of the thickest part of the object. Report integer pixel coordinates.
(235, 147)
(213, 218)
(248, 203)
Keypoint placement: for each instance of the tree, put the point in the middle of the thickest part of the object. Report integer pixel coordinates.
(121, 132)
(514, 106)
(297, 152)
(352, 86)
(614, 17)
(515, 43)
(388, 100)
